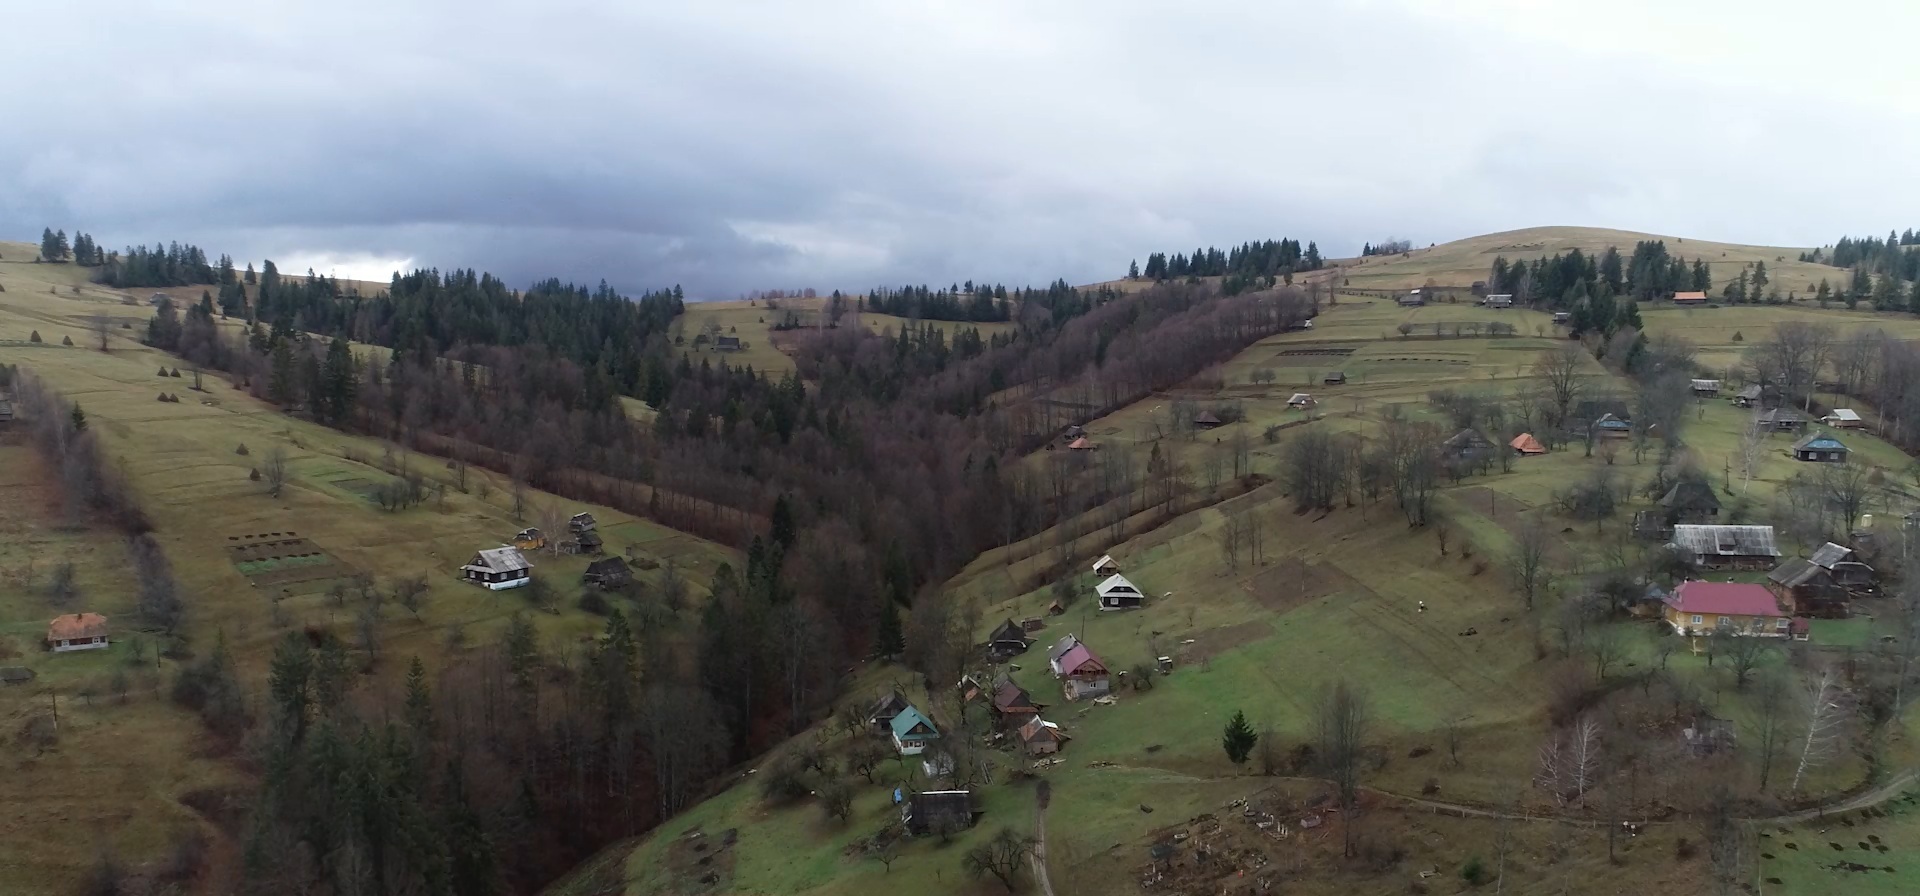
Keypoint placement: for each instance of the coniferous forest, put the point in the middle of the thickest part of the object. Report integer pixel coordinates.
(853, 487)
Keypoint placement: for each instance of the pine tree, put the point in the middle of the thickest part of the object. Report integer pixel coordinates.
(1886, 293)
(1822, 293)
(250, 277)
(782, 530)
(49, 250)
(1133, 270)
(290, 681)
(888, 641)
(419, 711)
(1861, 285)
(1702, 276)
(341, 382)
(280, 384)
(79, 418)
(1239, 738)
(1759, 277)
(1312, 259)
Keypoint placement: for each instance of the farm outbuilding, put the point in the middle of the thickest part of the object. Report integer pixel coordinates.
(1106, 565)
(1336, 378)
(1808, 589)
(1820, 448)
(1300, 401)
(77, 631)
(1467, 444)
(1689, 298)
(1206, 420)
(1847, 569)
(1704, 388)
(1499, 301)
(1843, 418)
(1721, 547)
(1781, 420)
(1612, 427)
(884, 709)
(609, 573)
(1012, 706)
(1040, 737)
(1082, 444)
(934, 811)
(1007, 641)
(1690, 501)
(1753, 395)
(498, 569)
(1526, 445)
(15, 675)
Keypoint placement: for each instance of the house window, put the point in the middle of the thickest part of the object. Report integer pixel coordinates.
(1779, 623)
(1697, 620)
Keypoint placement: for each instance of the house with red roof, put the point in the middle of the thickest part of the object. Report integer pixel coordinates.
(1084, 673)
(1700, 608)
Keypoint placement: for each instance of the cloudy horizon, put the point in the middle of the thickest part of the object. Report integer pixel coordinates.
(733, 146)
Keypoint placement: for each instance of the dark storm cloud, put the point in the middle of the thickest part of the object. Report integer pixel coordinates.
(730, 146)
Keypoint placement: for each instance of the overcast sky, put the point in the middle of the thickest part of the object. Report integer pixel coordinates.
(729, 146)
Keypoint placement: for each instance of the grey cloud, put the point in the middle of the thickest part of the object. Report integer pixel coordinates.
(731, 146)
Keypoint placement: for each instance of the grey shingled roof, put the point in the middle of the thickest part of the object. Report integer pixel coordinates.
(1796, 573)
(1726, 541)
(1690, 493)
(502, 559)
(1829, 554)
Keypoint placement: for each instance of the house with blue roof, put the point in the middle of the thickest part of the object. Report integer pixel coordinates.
(1820, 448)
(912, 732)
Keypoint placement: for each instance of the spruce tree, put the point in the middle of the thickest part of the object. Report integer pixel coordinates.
(782, 530)
(280, 383)
(290, 681)
(1239, 738)
(419, 711)
(888, 641)
(341, 384)
(79, 418)
(49, 250)
(251, 278)
(1133, 270)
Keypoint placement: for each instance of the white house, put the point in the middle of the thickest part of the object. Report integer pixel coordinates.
(77, 631)
(1116, 593)
(498, 569)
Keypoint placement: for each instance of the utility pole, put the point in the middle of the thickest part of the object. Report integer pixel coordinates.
(53, 699)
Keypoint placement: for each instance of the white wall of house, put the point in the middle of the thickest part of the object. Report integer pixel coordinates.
(80, 644)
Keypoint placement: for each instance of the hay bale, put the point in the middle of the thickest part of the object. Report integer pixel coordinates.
(242, 450)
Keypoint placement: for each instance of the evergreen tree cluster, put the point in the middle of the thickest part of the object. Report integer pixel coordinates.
(175, 264)
(1898, 254)
(1563, 279)
(959, 302)
(1386, 247)
(1266, 260)
(53, 245)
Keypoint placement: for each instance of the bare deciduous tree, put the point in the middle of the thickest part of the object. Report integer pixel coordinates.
(1003, 857)
(1560, 370)
(274, 471)
(1340, 733)
(1527, 565)
(1825, 719)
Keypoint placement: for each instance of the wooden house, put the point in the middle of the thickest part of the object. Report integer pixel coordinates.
(1755, 395)
(77, 631)
(938, 811)
(1040, 737)
(1073, 431)
(1012, 706)
(498, 569)
(1562, 318)
(1106, 565)
(1781, 420)
(1206, 420)
(1844, 418)
(1501, 300)
(884, 709)
(1300, 401)
(1059, 650)
(726, 343)
(1116, 593)
(1083, 674)
(1847, 569)
(529, 539)
(1336, 378)
(1697, 608)
(1466, 444)
(1686, 299)
(1690, 501)
(1726, 547)
(1808, 590)
(1526, 445)
(1008, 640)
(582, 522)
(610, 573)
(1820, 448)
(912, 732)
(1412, 300)
(1704, 388)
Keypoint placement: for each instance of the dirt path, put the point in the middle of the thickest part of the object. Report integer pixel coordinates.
(1040, 850)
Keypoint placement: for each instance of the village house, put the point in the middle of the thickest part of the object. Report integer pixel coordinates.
(1106, 565)
(610, 573)
(529, 539)
(1300, 401)
(886, 708)
(1847, 569)
(1040, 737)
(1726, 547)
(1704, 388)
(1499, 301)
(1009, 640)
(1808, 589)
(1781, 420)
(1697, 608)
(1412, 300)
(77, 631)
(1059, 650)
(1116, 593)
(1820, 448)
(1612, 427)
(1083, 673)
(1526, 445)
(726, 343)
(1336, 378)
(1012, 706)
(1466, 444)
(585, 534)
(1206, 420)
(1843, 418)
(1690, 501)
(1562, 318)
(912, 732)
(937, 811)
(1689, 298)
(498, 569)
(1755, 394)
(1073, 431)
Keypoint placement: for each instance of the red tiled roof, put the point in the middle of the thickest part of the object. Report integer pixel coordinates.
(1080, 660)
(1686, 296)
(1725, 599)
(77, 627)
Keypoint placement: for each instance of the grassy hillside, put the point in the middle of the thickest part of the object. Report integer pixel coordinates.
(752, 321)
(1461, 262)
(1333, 595)
(183, 461)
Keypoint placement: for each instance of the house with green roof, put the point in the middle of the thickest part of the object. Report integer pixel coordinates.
(912, 732)
(1820, 448)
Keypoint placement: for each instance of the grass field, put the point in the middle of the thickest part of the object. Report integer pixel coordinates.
(182, 460)
(753, 321)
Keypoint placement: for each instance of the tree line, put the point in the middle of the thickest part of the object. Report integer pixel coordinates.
(1264, 259)
(958, 302)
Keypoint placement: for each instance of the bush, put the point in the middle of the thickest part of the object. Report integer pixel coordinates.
(34, 337)
(242, 450)
(66, 340)
(594, 602)
(785, 781)
(1474, 872)
(254, 474)
(1683, 849)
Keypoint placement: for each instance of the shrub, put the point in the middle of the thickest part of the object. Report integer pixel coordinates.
(34, 337)
(242, 450)
(66, 340)
(1474, 872)
(254, 474)
(595, 603)
(785, 781)
(1683, 849)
